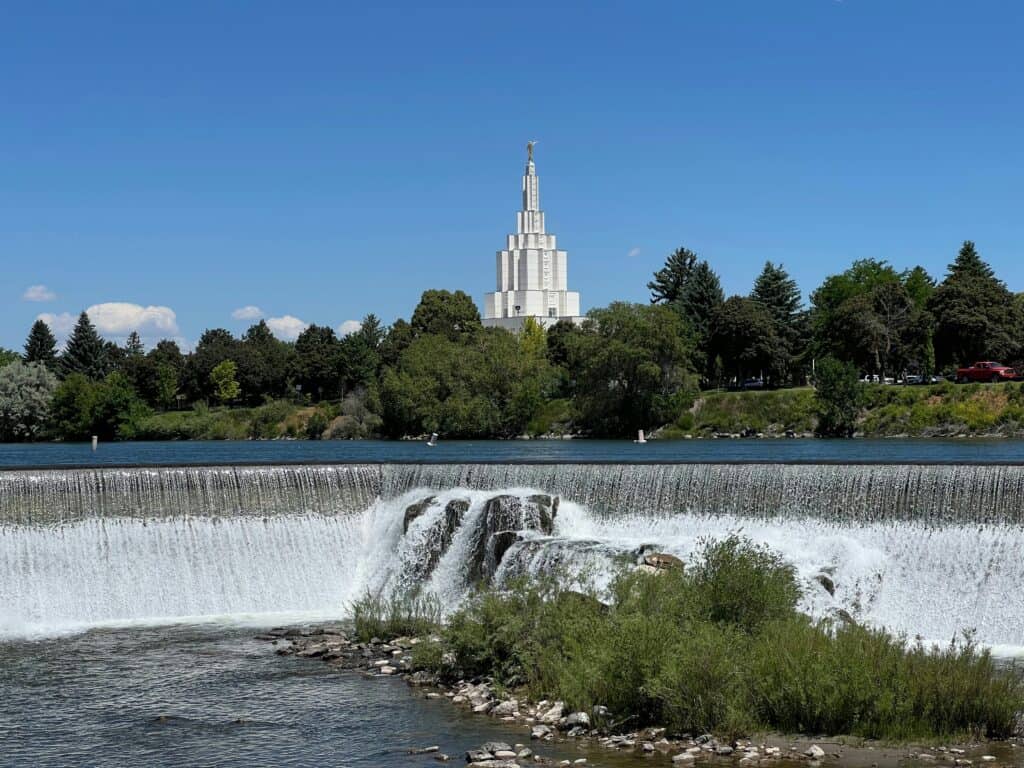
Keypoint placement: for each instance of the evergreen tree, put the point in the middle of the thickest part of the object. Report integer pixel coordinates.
(670, 281)
(976, 316)
(778, 293)
(701, 298)
(133, 345)
(86, 351)
(41, 345)
(372, 331)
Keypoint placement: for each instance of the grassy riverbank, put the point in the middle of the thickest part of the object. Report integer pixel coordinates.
(720, 648)
(941, 410)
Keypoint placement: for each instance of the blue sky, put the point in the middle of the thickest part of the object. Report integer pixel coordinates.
(175, 162)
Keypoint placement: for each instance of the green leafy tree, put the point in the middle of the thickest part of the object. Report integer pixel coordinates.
(116, 408)
(214, 347)
(166, 386)
(838, 395)
(868, 316)
(223, 377)
(358, 362)
(41, 345)
(8, 356)
(398, 337)
(264, 364)
(976, 316)
(86, 352)
(484, 387)
(74, 407)
(26, 390)
(744, 335)
(318, 363)
(632, 366)
(448, 314)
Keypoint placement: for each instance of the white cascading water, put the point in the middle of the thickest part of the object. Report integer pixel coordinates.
(925, 550)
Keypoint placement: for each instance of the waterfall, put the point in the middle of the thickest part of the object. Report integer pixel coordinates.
(922, 549)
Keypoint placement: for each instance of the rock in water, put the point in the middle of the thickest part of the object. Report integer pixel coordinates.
(437, 538)
(663, 561)
(815, 752)
(502, 515)
(414, 511)
(826, 582)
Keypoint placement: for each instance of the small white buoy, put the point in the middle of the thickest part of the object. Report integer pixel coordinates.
(640, 437)
(433, 439)
(95, 442)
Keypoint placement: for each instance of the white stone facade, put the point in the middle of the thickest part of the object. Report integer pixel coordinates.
(532, 272)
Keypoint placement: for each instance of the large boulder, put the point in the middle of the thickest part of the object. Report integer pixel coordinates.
(505, 515)
(415, 510)
(437, 538)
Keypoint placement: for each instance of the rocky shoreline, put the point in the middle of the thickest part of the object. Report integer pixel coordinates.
(551, 721)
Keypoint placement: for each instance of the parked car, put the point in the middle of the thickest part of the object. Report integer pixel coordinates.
(985, 371)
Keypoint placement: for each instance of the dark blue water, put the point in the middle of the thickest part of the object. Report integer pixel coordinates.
(203, 696)
(895, 451)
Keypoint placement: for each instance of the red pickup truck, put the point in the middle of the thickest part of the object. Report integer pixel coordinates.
(985, 371)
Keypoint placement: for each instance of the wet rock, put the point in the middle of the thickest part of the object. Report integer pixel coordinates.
(506, 708)
(506, 513)
(554, 713)
(723, 750)
(496, 746)
(504, 754)
(477, 755)
(438, 537)
(424, 750)
(826, 582)
(540, 732)
(575, 720)
(416, 510)
(815, 752)
(683, 758)
(662, 561)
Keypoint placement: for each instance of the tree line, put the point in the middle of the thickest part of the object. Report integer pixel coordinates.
(625, 367)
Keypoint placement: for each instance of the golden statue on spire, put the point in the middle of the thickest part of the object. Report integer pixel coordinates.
(529, 150)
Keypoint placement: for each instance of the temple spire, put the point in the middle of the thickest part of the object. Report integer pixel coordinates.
(531, 191)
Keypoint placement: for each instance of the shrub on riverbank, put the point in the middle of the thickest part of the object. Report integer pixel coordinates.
(722, 648)
(409, 615)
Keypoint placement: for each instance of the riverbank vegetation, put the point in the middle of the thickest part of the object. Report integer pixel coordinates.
(718, 648)
(658, 366)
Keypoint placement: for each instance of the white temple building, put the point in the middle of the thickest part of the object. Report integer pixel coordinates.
(532, 271)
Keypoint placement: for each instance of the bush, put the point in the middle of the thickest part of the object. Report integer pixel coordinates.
(397, 616)
(25, 393)
(743, 585)
(722, 648)
(838, 394)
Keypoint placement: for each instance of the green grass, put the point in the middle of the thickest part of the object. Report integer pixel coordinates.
(412, 615)
(771, 412)
(722, 648)
(272, 420)
(888, 411)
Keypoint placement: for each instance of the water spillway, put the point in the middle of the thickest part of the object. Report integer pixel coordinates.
(923, 549)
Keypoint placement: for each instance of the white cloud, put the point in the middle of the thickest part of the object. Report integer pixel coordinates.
(61, 324)
(286, 327)
(38, 293)
(633, 252)
(248, 312)
(348, 327)
(116, 319)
